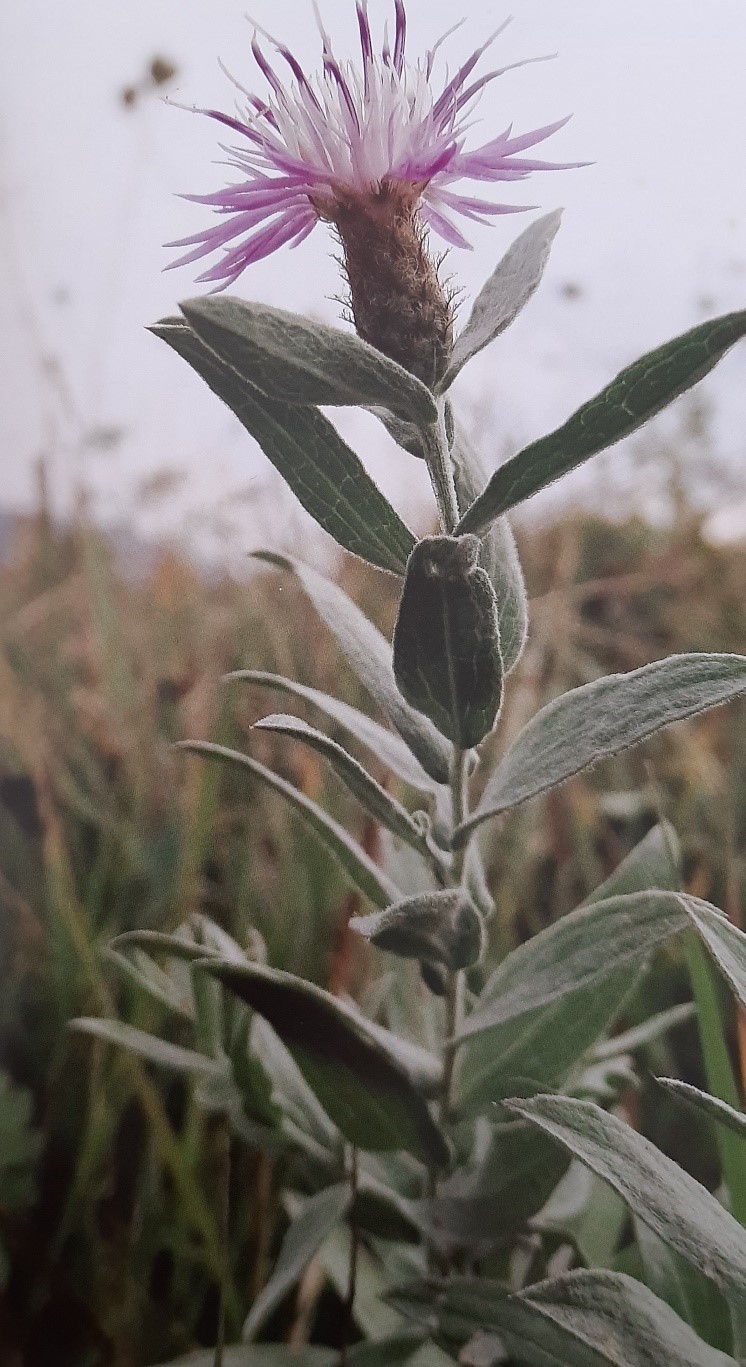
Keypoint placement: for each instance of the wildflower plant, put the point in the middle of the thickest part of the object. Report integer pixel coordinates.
(442, 1166)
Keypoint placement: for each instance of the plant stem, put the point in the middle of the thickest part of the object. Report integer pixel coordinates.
(223, 1145)
(455, 990)
(438, 456)
(349, 1321)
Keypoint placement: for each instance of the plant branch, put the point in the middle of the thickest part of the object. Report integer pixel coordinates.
(438, 456)
(349, 1313)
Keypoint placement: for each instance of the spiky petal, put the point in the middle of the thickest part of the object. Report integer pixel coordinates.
(315, 146)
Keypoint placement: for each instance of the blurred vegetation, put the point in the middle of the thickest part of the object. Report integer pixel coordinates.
(110, 1251)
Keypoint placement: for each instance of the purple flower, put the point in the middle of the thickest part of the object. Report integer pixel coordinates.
(374, 140)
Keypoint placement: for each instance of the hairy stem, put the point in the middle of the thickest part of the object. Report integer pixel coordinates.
(456, 985)
(438, 456)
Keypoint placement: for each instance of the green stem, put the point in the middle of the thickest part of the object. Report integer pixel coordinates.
(718, 1069)
(438, 456)
(456, 984)
(223, 1146)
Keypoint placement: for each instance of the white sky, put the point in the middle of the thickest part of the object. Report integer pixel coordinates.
(654, 232)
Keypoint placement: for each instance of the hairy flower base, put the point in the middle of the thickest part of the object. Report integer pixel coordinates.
(398, 302)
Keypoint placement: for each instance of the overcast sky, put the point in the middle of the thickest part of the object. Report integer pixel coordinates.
(654, 232)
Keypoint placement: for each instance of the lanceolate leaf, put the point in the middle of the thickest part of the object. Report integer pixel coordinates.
(369, 655)
(447, 659)
(373, 797)
(498, 554)
(299, 361)
(726, 943)
(622, 1319)
(356, 863)
(661, 1194)
(387, 746)
(304, 1238)
(324, 473)
(637, 394)
(545, 1042)
(506, 292)
(149, 1047)
(711, 1106)
(578, 951)
(602, 718)
(355, 1069)
(584, 1319)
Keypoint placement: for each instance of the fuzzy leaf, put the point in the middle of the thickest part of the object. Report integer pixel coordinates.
(150, 1047)
(545, 1042)
(577, 952)
(726, 943)
(447, 659)
(385, 745)
(359, 867)
(599, 719)
(477, 1209)
(305, 1235)
(440, 927)
(583, 1319)
(355, 1069)
(506, 293)
(369, 655)
(324, 473)
(498, 554)
(637, 394)
(299, 361)
(368, 792)
(660, 1193)
(711, 1106)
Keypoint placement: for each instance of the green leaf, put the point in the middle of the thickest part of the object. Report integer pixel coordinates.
(355, 1069)
(447, 659)
(368, 654)
(359, 867)
(482, 1206)
(498, 555)
(545, 1042)
(578, 951)
(726, 943)
(647, 1032)
(388, 748)
(324, 473)
(506, 293)
(439, 927)
(151, 979)
(685, 1289)
(298, 361)
(661, 1194)
(621, 1319)
(712, 1106)
(583, 1319)
(600, 719)
(380, 804)
(306, 1233)
(150, 1047)
(637, 394)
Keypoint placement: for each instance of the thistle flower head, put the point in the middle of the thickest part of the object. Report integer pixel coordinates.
(375, 149)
